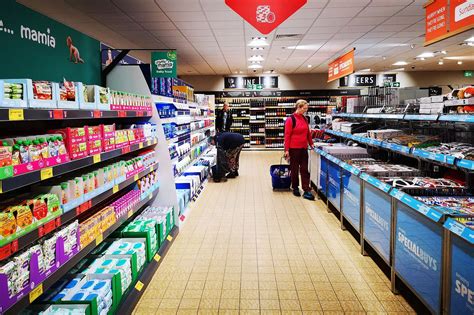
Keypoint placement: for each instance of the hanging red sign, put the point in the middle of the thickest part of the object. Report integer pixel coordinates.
(461, 16)
(265, 15)
(342, 66)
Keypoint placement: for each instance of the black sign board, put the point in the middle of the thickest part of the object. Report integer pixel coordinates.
(365, 80)
(300, 93)
(268, 82)
(390, 77)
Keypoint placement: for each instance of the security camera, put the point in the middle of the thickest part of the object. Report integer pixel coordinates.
(412, 46)
(412, 67)
(254, 71)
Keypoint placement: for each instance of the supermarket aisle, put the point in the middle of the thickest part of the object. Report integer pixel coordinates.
(247, 249)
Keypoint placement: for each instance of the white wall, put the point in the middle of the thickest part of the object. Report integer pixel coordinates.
(319, 80)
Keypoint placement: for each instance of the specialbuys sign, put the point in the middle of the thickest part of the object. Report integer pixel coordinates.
(342, 66)
(447, 18)
(265, 15)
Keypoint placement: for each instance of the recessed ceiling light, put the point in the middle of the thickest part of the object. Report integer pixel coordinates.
(304, 47)
(426, 55)
(444, 52)
(256, 58)
(255, 62)
(364, 70)
(441, 62)
(470, 39)
(459, 62)
(258, 41)
(255, 66)
(309, 66)
(399, 69)
(383, 57)
(400, 63)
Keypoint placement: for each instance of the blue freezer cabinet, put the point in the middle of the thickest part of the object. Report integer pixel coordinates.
(334, 176)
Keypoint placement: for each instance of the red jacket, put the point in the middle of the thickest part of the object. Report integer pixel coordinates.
(298, 137)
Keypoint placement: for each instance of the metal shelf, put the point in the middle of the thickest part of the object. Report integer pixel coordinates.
(24, 301)
(27, 114)
(16, 182)
(29, 238)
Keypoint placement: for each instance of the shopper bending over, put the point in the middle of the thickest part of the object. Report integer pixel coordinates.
(297, 140)
(231, 143)
(224, 119)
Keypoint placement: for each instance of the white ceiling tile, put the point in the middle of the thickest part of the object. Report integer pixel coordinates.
(185, 16)
(324, 29)
(201, 25)
(367, 20)
(340, 12)
(390, 28)
(137, 5)
(356, 29)
(193, 33)
(305, 13)
(344, 3)
(180, 6)
(291, 30)
(148, 16)
(157, 26)
(223, 25)
(413, 10)
(397, 19)
(380, 11)
(227, 15)
(297, 23)
(331, 22)
(201, 39)
(384, 3)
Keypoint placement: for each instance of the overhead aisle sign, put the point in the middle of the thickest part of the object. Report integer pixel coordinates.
(265, 15)
(342, 66)
(447, 18)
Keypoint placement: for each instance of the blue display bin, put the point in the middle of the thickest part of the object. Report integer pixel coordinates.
(334, 185)
(418, 255)
(377, 210)
(460, 289)
(351, 199)
(323, 176)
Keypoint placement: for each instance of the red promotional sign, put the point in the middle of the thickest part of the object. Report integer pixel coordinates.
(342, 66)
(265, 15)
(462, 16)
(436, 25)
(445, 19)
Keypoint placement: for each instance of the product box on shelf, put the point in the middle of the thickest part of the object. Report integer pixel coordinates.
(27, 269)
(42, 94)
(144, 229)
(76, 141)
(108, 137)
(13, 93)
(68, 94)
(90, 96)
(96, 225)
(121, 138)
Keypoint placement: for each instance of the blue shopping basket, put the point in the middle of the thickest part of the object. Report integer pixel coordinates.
(281, 176)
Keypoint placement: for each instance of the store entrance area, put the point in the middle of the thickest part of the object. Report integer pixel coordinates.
(246, 249)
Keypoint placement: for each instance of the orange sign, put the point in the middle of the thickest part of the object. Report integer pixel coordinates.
(461, 16)
(342, 66)
(436, 25)
(445, 19)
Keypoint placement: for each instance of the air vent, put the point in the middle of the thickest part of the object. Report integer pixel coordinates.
(288, 36)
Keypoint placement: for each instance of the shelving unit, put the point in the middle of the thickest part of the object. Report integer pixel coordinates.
(162, 193)
(396, 226)
(266, 114)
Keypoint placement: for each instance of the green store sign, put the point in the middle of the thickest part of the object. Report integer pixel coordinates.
(164, 64)
(39, 48)
(469, 73)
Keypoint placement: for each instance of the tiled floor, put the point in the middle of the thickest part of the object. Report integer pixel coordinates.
(246, 249)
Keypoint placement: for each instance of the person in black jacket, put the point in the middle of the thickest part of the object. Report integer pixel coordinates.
(224, 119)
(231, 143)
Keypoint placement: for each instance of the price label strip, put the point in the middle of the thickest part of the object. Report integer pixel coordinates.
(36, 292)
(16, 114)
(46, 173)
(460, 230)
(416, 205)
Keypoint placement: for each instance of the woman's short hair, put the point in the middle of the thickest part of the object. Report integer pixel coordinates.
(300, 103)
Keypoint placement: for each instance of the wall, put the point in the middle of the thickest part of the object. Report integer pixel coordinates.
(35, 47)
(318, 80)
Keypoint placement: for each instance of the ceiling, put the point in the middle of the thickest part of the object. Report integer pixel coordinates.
(212, 39)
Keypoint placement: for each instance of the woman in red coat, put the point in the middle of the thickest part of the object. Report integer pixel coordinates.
(297, 140)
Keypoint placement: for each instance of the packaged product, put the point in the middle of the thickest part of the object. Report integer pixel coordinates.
(48, 246)
(44, 149)
(7, 223)
(9, 269)
(67, 92)
(23, 152)
(23, 215)
(51, 200)
(65, 194)
(16, 155)
(38, 206)
(42, 90)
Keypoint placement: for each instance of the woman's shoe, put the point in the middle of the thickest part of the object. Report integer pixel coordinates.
(296, 192)
(308, 195)
(230, 175)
